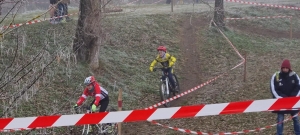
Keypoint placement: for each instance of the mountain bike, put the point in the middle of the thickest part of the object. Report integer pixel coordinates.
(166, 86)
(99, 129)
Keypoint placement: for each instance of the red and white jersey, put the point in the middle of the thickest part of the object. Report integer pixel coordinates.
(99, 93)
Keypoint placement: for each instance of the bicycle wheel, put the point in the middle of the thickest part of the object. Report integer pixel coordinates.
(108, 129)
(114, 130)
(177, 84)
(86, 129)
(163, 93)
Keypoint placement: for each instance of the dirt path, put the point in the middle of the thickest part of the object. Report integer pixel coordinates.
(190, 70)
(190, 75)
(190, 67)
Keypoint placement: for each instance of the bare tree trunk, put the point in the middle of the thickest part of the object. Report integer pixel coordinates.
(87, 39)
(219, 13)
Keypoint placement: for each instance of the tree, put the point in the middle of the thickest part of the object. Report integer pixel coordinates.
(87, 38)
(219, 13)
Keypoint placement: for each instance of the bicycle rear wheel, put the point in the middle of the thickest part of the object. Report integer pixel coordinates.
(163, 93)
(108, 129)
(177, 84)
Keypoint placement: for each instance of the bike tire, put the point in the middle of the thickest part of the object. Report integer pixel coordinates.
(85, 130)
(114, 126)
(177, 84)
(115, 129)
(163, 95)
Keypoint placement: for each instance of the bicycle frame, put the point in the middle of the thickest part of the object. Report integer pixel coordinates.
(166, 81)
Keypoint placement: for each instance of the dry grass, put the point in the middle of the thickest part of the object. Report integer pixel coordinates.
(127, 50)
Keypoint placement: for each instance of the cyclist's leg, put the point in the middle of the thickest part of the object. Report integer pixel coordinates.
(104, 103)
(103, 106)
(170, 76)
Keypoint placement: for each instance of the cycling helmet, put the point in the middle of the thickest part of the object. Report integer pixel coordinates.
(89, 80)
(162, 48)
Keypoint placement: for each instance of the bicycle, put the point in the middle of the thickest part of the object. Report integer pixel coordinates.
(166, 87)
(102, 128)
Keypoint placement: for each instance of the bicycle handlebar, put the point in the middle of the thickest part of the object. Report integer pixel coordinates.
(163, 68)
(87, 108)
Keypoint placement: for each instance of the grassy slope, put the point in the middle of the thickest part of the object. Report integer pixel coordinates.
(128, 49)
(264, 56)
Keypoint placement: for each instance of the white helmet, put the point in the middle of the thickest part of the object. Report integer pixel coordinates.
(89, 80)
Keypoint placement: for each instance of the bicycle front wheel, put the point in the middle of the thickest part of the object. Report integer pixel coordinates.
(164, 94)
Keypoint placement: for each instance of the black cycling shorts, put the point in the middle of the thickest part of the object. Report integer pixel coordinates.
(103, 104)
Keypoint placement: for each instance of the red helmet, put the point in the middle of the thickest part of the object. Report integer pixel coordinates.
(162, 48)
(89, 80)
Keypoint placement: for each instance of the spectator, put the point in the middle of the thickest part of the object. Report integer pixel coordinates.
(52, 9)
(60, 11)
(168, 2)
(65, 9)
(285, 83)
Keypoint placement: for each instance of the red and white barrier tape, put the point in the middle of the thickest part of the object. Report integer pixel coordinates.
(132, 2)
(34, 22)
(157, 2)
(222, 133)
(174, 128)
(260, 4)
(264, 17)
(43, 2)
(150, 114)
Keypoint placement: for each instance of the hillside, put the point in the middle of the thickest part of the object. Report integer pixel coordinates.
(129, 45)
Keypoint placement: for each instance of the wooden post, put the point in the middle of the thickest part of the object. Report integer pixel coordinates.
(291, 29)
(245, 67)
(119, 109)
(172, 5)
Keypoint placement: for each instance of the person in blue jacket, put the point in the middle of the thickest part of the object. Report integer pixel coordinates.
(285, 83)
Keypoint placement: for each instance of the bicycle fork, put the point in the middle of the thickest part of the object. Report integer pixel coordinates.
(167, 85)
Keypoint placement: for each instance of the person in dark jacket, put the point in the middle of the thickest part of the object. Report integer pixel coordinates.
(285, 83)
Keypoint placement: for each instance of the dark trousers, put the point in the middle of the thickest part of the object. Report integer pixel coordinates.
(65, 8)
(170, 76)
(103, 104)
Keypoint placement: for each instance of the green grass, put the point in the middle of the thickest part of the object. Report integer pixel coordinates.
(129, 45)
(282, 24)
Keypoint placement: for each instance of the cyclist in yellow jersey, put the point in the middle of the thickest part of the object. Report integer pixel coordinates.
(167, 61)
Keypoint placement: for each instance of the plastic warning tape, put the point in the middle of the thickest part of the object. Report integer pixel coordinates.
(222, 133)
(34, 22)
(260, 4)
(132, 2)
(44, 2)
(264, 17)
(157, 2)
(150, 114)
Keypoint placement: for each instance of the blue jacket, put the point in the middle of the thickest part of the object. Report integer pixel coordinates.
(285, 86)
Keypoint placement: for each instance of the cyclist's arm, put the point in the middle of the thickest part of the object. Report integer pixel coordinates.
(97, 94)
(172, 60)
(82, 97)
(153, 63)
